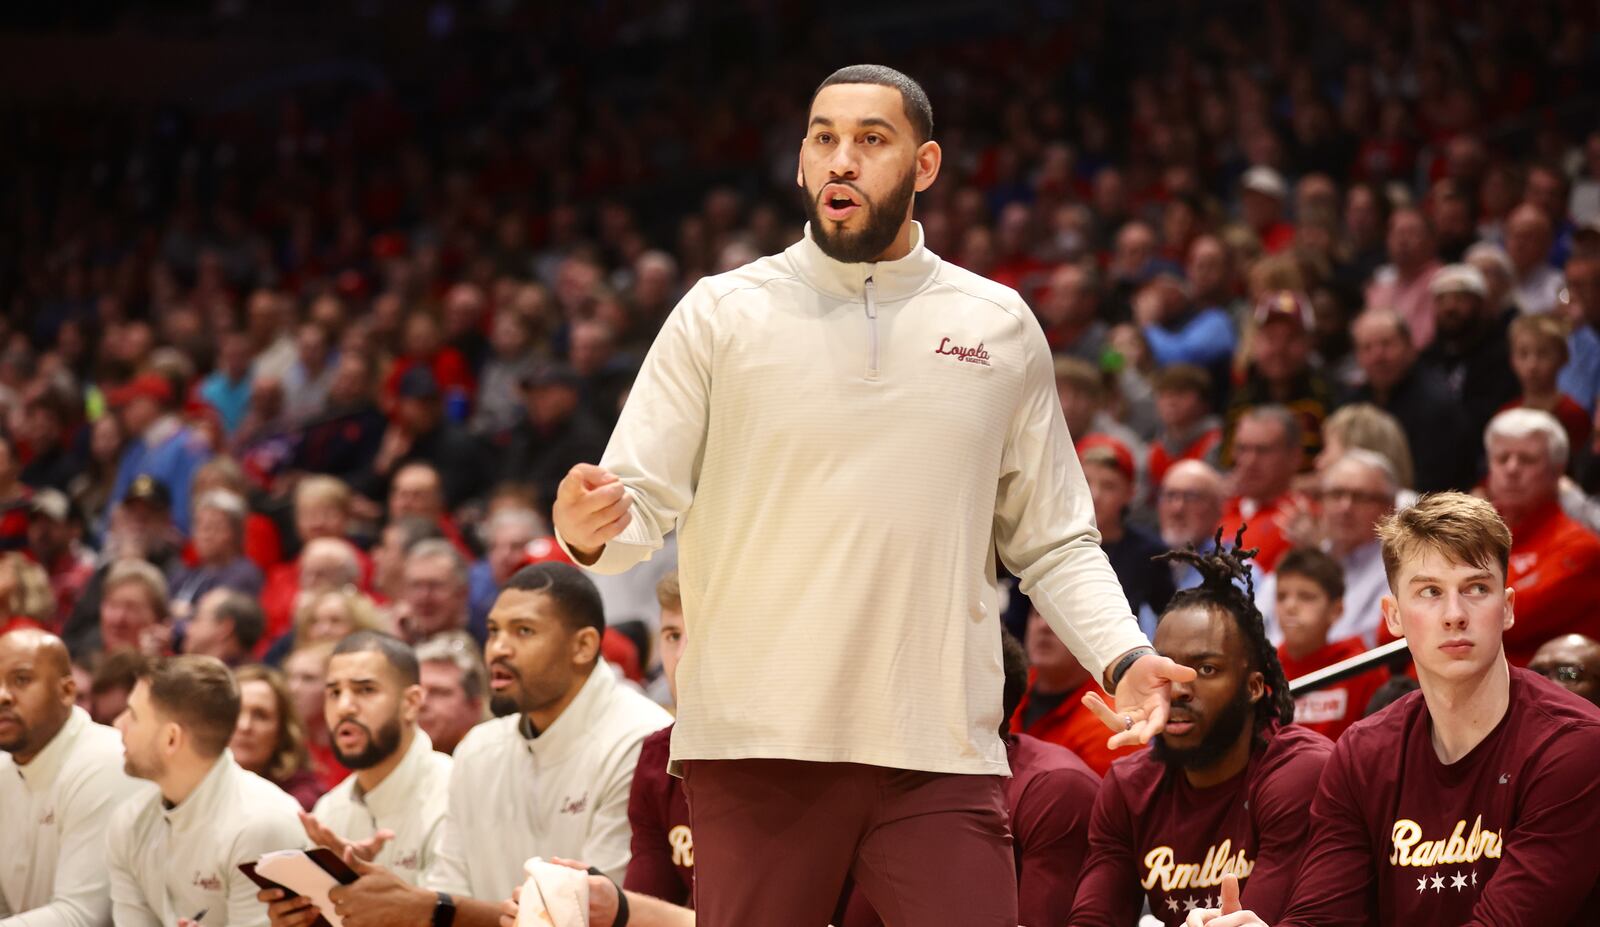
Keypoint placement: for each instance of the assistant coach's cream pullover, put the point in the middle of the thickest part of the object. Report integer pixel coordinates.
(843, 448)
(410, 801)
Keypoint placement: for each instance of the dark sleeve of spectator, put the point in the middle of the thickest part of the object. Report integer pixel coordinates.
(1108, 888)
(1054, 837)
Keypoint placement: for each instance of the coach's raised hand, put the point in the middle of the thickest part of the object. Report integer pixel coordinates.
(591, 508)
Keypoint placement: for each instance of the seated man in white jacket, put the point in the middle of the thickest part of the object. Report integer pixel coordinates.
(550, 778)
(391, 808)
(60, 777)
(174, 856)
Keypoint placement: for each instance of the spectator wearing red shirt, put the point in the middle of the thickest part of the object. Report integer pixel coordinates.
(1538, 352)
(1052, 708)
(321, 510)
(1473, 802)
(1188, 429)
(425, 349)
(1224, 790)
(14, 499)
(1310, 599)
(1262, 195)
(1267, 454)
(1555, 562)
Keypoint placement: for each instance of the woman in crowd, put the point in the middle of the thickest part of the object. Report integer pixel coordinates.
(270, 738)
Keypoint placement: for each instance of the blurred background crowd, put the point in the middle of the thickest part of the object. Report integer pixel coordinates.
(305, 347)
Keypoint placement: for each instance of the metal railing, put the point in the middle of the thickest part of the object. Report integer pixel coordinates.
(1382, 655)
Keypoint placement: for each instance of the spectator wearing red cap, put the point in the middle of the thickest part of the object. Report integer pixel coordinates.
(1280, 373)
(162, 448)
(1109, 468)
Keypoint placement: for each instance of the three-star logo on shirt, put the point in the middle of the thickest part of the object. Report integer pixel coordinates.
(1458, 881)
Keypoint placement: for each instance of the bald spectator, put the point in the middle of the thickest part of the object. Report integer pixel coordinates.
(322, 508)
(1555, 562)
(1571, 661)
(1529, 236)
(1280, 373)
(61, 777)
(1068, 306)
(435, 599)
(1356, 492)
(1470, 344)
(1402, 285)
(1267, 454)
(1189, 505)
(1418, 396)
(227, 624)
(455, 689)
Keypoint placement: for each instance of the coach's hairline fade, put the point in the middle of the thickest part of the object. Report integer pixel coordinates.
(914, 100)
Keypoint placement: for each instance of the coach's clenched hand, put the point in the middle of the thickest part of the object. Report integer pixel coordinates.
(591, 508)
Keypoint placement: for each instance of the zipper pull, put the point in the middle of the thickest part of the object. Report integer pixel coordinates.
(872, 329)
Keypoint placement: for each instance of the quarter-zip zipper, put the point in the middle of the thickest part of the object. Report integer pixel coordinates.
(872, 331)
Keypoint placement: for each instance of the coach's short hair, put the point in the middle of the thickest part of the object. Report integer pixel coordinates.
(199, 693)
(915, 100)
(396, 652)
(574, 594)
(1464, 528)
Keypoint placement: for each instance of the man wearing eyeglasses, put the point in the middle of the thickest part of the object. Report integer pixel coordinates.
(1571, 661)
(1355, 493)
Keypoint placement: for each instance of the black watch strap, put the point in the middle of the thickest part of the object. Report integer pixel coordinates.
(444, 910)
(1126, 663)
(622, 899)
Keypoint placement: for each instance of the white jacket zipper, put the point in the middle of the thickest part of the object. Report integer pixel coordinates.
(872, 332)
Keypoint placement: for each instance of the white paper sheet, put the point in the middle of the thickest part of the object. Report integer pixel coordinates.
(299, 873)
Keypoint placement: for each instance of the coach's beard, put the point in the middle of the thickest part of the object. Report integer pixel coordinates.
(883, 223)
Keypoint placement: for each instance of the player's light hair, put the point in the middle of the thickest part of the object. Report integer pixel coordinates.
(1515, 424)
(1463, 528)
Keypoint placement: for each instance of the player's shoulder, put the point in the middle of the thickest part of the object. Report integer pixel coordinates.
(1384, 729)
(335, 801)
(1294, 743)
(1137, 776)
(1057, 767)
(981, 290)
(657, 744)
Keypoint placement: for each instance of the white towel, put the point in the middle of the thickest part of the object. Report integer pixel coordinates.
(553, 896)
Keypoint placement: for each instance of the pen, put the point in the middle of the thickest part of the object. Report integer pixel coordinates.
(201, 916)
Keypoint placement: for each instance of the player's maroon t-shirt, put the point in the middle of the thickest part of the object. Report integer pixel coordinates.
(662, 865)
(1154, 835)
(1507, 835)
(1049, 796)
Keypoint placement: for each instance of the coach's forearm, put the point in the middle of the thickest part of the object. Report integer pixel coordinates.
(470, 912)
(645, 911)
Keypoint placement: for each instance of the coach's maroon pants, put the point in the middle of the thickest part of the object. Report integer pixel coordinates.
(775, 840)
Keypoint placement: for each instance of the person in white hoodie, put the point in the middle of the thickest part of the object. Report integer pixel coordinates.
(844, 435)
(60, 778)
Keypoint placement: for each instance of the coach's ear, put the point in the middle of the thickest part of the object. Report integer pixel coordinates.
(1391, 615)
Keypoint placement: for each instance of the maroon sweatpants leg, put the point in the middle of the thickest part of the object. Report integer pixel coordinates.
(773, 839)
(938, 851)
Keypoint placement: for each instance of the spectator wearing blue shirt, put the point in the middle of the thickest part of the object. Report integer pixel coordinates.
(227, 389)
(163, 447)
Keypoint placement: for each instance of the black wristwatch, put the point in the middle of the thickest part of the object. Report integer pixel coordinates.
(444, 911)
(1125, 664)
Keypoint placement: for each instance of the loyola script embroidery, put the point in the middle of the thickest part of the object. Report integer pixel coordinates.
(975, 355)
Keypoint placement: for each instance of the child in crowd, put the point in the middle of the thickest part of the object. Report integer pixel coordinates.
(1310, 598)
(1189, 430)
(1538, 352)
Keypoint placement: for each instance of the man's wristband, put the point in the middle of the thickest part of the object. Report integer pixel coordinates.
(621, 920)
(444, 910)
(1126, 663)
